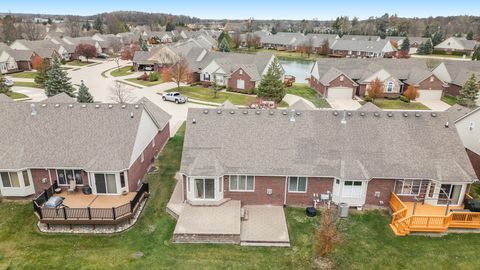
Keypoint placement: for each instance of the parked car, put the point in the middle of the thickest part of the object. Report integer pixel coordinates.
(148, 68)
(8, 82)
(174, 97)
(102, 55)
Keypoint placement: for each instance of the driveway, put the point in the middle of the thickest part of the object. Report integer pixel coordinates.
(344, 104)
(36, 94)
(435, 105)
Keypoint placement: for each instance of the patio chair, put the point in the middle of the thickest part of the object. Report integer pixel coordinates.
(72, 187)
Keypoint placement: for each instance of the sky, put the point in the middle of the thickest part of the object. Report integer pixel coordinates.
(258, 9)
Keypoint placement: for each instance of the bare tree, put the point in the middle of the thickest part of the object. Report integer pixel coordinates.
(116, 46)
(74, 26)
(237, 39)
(179, 71)
(253, 41)
(31, 30)
(121, 94)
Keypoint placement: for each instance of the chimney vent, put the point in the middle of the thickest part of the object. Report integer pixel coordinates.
(131, 114)
(205, 111)
(219, 111)
(344, 119)
(447, 124)
(33, 111)
(194, 121)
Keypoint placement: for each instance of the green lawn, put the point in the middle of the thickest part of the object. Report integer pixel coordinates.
(303, 90)
(397, 104)
(368, 242)
(144, 83)
(79, 63)
(123, 71)
(15, 95)
(26, 84)
(25, 75)
(450, 100)
(206, 94)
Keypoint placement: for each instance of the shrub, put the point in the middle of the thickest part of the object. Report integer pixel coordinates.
(440, 52)
(404, 99)
(252, 91)
(144, 77)
(206, 84)
(154, 76)
(327, 235)
(368, 99)
(63, 61)
(196, 84)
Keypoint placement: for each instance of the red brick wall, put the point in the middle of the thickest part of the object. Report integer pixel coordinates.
(232, 81)
(315, 84)
(259, 196)
(475, 159)
(138, 169)
(314, 185)
(385, 186)
(427, 84)
(24, 65)
(347, 82)
(37, 176)
(453, 90)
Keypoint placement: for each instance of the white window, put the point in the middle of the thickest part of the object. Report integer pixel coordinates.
(352, 189)
(142, 157)
(240, 84)
(242, 183)
(26, 178)
(122, 180)
(408, 187)
(390, 87)
(65, 176)
(10, 179)
(297, 184)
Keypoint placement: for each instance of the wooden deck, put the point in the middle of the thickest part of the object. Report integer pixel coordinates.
(80, 200)
(428, 218)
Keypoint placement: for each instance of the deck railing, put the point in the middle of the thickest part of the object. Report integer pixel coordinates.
(77, 215)
(402, 224)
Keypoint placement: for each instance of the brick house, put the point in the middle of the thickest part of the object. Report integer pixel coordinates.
(456, 73)
(108, 147)
(346, 78)
(455, 44)
(258, 166)
(353, 48)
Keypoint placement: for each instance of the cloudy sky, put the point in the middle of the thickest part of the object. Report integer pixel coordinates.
(259, 9)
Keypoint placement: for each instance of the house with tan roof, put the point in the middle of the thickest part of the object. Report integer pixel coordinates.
(454, 44)
(456, 74)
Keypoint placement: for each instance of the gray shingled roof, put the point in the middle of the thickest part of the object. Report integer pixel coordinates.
(369, 107)
(228, 105)
(301, 105)
(5, 98)
(94, 137)
(359, 45)
(457, 111)
(253, 64)
(320, 145)
(60, 98)
(460, 71)
(21, 55)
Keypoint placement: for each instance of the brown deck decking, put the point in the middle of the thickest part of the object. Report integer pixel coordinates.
(80, 200)
(428, 210)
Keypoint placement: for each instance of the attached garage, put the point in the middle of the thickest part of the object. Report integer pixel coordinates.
(340, 93)
(430, 94)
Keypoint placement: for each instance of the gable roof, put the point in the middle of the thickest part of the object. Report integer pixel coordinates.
(301, 105)
(93, 137)
(60, 98)
(457, 111)
(460, 71)
(227, 105)
(21, 55)
(5, 98)
(360, 45)
(320, 145)
(369, 107)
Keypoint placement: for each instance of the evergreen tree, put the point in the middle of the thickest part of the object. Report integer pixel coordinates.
(469, 92)
(274, 30)
(142, 44)
(476, 54)
(83, 95)
(225, 35)
(405, 45)
(98, 25)
(4, 89)
(224, 47)
(170, 27)
(470, 35)
(57, 81)
(426, 32)
(271, 86)
(428, 47)
(42, 73)
(437, 38)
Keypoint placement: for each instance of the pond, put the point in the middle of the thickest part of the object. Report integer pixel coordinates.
(298, 68)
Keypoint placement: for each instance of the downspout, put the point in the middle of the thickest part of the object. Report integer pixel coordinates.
(285, 194)
(49, 176)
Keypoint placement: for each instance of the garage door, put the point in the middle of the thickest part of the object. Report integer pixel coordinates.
(340, 93)
(429, 94)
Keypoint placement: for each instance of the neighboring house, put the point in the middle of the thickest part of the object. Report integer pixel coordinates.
(155, 59)
(108, 147)
(360, 38)
(362, 48)
(414, 43)
(23, 58)
(321, 157)
(456, 74)
(468, 127)
(281, 40)
(84, 40)
(238, 72)
(7, 63)
(454, 44)
(44, 48)
(347, 78)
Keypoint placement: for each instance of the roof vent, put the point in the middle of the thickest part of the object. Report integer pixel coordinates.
(362, 114)
(298, 113)
(57, 105)
(344, 119)
(136, 106)
(194, 121)
(376, 114)
(335, 113)
(434, 114)
(131, 114)
(97, 106)
(284, 113)
(390, 114)
(205, 111)
(110, 106)
(219, 111)
(33, 111)
(44, 105)
(124, 106)
(70, 106)
(245, 112)
(232, 112)
(271, 112)
(447, 124)
(405, 114)
(417, 114)
(84, 106)
(257, 112)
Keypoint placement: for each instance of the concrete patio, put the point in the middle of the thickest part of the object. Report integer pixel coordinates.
(265, 226)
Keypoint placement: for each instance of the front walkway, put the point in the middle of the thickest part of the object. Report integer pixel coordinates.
(228, 222)
(344, 104)
(435, 105)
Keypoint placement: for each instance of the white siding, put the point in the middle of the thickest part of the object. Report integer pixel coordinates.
(147, 130)
(469, 130)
